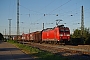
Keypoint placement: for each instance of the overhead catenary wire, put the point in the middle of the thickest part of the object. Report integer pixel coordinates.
(37, 11)
(55, 9)
(30, 9)
(60, 6)
(72, 13)
(45, 6)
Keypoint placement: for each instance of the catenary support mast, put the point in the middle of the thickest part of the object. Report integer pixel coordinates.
(18, 18)
(82, 21)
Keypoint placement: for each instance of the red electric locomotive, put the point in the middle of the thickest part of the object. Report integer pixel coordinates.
(57, 34)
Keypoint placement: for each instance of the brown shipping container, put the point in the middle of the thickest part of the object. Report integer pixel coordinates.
(20, 37)
(28, 38)
(38, 36)
(15, 38)
(23, 36)
(32, 36)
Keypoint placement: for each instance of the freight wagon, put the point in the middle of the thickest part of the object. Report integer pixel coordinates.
(37, 36)
(32, 37)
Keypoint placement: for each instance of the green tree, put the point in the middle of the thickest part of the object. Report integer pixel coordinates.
(76, 34)
(85, 36)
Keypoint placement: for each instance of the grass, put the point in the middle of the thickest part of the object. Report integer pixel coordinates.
(37, 53)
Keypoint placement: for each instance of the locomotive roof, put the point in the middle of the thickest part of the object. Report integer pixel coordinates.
(47, 29)
(60, 26)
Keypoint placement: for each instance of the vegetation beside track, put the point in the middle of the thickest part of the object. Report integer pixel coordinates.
(77, 38)
(37, 53)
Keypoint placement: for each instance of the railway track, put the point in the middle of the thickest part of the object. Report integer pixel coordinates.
(85, 49)
(77, 52)
(81, 48)
(67, 51)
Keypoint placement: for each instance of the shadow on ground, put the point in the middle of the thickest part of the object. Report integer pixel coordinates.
(16, 57)
(8, 49)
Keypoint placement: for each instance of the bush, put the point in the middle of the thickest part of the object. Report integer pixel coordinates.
(87, 41)
(76, 41)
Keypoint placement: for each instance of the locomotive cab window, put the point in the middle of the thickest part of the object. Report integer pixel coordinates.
(66, 30)
(61, 30)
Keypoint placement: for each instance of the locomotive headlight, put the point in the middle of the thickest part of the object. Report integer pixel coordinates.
(68, 34)
(61, 34)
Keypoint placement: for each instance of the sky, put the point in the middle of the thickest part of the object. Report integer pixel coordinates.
(31, 14)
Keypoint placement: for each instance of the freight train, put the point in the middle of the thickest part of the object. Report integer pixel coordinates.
(58, 34)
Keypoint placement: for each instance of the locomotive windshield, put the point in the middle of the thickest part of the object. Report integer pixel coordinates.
(64, 30)
(61, 30)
